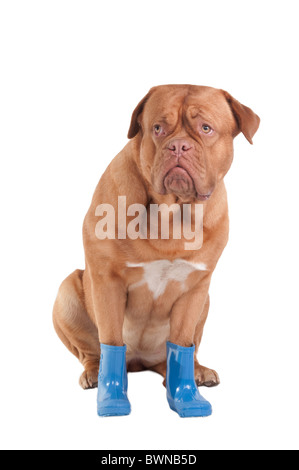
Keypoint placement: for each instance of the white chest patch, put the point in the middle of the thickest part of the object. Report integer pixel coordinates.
(157, 274)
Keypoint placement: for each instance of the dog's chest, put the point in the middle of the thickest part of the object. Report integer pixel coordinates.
(158, 274)
(151, 296)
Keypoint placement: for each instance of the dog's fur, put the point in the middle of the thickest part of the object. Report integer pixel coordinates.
(144, 292)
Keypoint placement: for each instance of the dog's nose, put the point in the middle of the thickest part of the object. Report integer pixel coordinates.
(179, 146)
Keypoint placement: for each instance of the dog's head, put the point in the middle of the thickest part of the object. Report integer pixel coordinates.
(187, 137)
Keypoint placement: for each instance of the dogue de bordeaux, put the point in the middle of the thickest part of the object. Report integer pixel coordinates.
(144, 292)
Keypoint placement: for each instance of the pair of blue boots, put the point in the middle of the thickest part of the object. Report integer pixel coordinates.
(182, 392)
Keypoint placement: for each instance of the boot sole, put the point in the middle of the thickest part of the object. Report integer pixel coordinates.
(114, 408)
(191, 412)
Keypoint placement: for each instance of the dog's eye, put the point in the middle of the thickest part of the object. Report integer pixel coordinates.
(158, 129)
(206, 129)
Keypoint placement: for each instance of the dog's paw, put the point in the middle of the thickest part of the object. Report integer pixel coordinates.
(89, 379)
(205, 377)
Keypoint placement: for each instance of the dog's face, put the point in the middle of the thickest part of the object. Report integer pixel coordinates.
(187, 138)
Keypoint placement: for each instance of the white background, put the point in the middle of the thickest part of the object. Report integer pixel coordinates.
(71, 75)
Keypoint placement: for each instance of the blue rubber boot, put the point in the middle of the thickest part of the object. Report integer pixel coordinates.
(112, 397)
(182, 392)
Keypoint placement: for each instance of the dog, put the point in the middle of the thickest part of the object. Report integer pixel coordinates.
(143, 292)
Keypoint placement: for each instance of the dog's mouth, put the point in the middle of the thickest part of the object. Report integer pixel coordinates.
(203, 197)
(179, 181)
(177, 173)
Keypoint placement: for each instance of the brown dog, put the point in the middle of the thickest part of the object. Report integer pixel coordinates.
(144, 291)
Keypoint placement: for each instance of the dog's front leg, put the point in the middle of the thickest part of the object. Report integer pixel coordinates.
(187, 313)
(109, 300)
(109, 297)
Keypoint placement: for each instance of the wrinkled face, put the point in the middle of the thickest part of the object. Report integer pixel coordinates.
(187, 139)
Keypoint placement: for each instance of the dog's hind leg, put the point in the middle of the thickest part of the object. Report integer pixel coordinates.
(75, 328)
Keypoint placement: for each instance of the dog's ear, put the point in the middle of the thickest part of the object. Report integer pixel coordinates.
(247, 121)
(135, 120)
